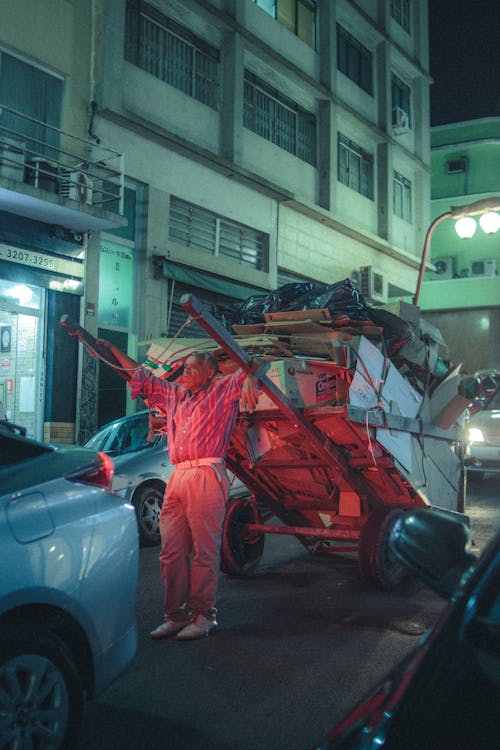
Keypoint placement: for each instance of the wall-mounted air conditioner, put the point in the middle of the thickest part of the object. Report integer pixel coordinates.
(76, 185)
(371, 284)
(445, 268)
(484, 267)
(400, 121)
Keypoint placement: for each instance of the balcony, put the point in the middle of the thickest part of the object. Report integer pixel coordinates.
(52, 176)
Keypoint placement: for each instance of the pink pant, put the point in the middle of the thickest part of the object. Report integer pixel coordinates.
(191, 522)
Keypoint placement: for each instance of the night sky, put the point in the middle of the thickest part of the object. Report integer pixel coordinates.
(464, 41)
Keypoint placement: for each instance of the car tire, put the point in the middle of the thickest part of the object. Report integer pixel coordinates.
(148, 501)
(376, 563)
(241, 552)
(41, 699)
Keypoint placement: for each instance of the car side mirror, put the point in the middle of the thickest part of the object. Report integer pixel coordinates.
(434, 546)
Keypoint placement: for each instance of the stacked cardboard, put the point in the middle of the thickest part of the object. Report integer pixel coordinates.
(410, 394)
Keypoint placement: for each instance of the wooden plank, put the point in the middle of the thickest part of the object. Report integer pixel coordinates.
(248, 329)
(320, 314)
(293, 326)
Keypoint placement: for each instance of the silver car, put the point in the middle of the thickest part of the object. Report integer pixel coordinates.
(142, 469)
(67, 588)
(482, 434)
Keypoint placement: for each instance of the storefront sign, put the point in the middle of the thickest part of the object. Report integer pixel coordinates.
(43, 261)
(116, 286)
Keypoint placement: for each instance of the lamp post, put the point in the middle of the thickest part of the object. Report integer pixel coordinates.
(490, 222)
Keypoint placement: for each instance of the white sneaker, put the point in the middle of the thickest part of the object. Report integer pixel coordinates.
(168, 628)
(198, 628)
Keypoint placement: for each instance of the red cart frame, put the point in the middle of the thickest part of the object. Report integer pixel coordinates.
(314, 470)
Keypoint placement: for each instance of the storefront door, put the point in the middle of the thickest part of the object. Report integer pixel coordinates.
(21, 338)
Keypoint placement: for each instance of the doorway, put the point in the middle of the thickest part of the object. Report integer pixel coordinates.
(21, 351)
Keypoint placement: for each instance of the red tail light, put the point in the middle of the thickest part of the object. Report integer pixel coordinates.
(99, 472)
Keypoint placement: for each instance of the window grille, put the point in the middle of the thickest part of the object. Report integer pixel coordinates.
(203, 230)
(401, 96)
(354, 60)
(400, 11)
(299, 16)
(34, 94)
(401, 188)
(355, 167)
(279, 120)
(171, 53)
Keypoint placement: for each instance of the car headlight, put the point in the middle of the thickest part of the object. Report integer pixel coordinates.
(475, 435)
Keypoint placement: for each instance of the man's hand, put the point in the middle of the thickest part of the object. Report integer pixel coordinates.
(249, 394)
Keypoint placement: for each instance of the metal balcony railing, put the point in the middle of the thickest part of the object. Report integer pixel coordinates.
(36, 153)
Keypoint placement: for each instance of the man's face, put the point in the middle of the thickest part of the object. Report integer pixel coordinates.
(196, 374)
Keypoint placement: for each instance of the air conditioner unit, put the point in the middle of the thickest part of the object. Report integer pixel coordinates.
(445, 268)
(485, 267)
(400, 121)
(371, 284)
(76, 186)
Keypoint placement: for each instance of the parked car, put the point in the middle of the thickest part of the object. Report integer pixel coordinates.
(446, 693)
(142, 469)
(483, 427)
(67, 588)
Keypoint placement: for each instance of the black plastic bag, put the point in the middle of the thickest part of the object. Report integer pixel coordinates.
(341, 298)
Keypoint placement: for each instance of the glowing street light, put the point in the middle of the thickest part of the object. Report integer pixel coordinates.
(490, 222)
(465, 226)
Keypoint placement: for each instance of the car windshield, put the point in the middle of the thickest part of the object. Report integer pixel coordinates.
(122, 437)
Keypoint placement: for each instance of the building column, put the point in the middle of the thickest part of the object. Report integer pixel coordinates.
(384, 191)
(86, 408)
(327, 155)
(327, 40)
(232, 99)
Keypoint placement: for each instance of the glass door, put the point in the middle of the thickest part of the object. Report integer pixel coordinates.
(21, 327)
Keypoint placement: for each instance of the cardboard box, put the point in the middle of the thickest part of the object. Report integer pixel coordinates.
(304, 382)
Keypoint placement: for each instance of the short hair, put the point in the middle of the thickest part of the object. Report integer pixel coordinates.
(208, 358)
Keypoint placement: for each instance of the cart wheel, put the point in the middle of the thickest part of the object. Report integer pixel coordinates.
(376, 563)
(241, 552)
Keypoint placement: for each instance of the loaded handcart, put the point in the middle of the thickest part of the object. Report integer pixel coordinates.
(337, 448)
(351, 429)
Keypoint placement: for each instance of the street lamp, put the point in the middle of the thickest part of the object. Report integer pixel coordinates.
(465, 226)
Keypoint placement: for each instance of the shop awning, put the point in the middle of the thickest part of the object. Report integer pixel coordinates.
(196, 278)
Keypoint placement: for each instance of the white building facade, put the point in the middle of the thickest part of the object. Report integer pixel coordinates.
(263, 142)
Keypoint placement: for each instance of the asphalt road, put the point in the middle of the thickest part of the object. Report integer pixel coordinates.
(299, 643)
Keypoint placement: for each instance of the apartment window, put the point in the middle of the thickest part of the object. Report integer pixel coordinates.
(401, 96)
(279, 120)
(31, 92)
(354, 60)
(171, 53)
(355, 167)
(400, 11)
(401, 192)
(297, 15)
(204, 230)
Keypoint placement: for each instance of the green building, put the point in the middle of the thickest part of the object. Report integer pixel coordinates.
(462, 296)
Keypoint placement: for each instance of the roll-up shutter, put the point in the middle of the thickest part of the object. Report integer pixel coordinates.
(285, 277)
(213, 291)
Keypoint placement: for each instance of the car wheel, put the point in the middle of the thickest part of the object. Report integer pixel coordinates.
(376, 563)
(147, 503)
(41, 694)
(241, 550)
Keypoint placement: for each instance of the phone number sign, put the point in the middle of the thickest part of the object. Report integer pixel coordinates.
(42, 261)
